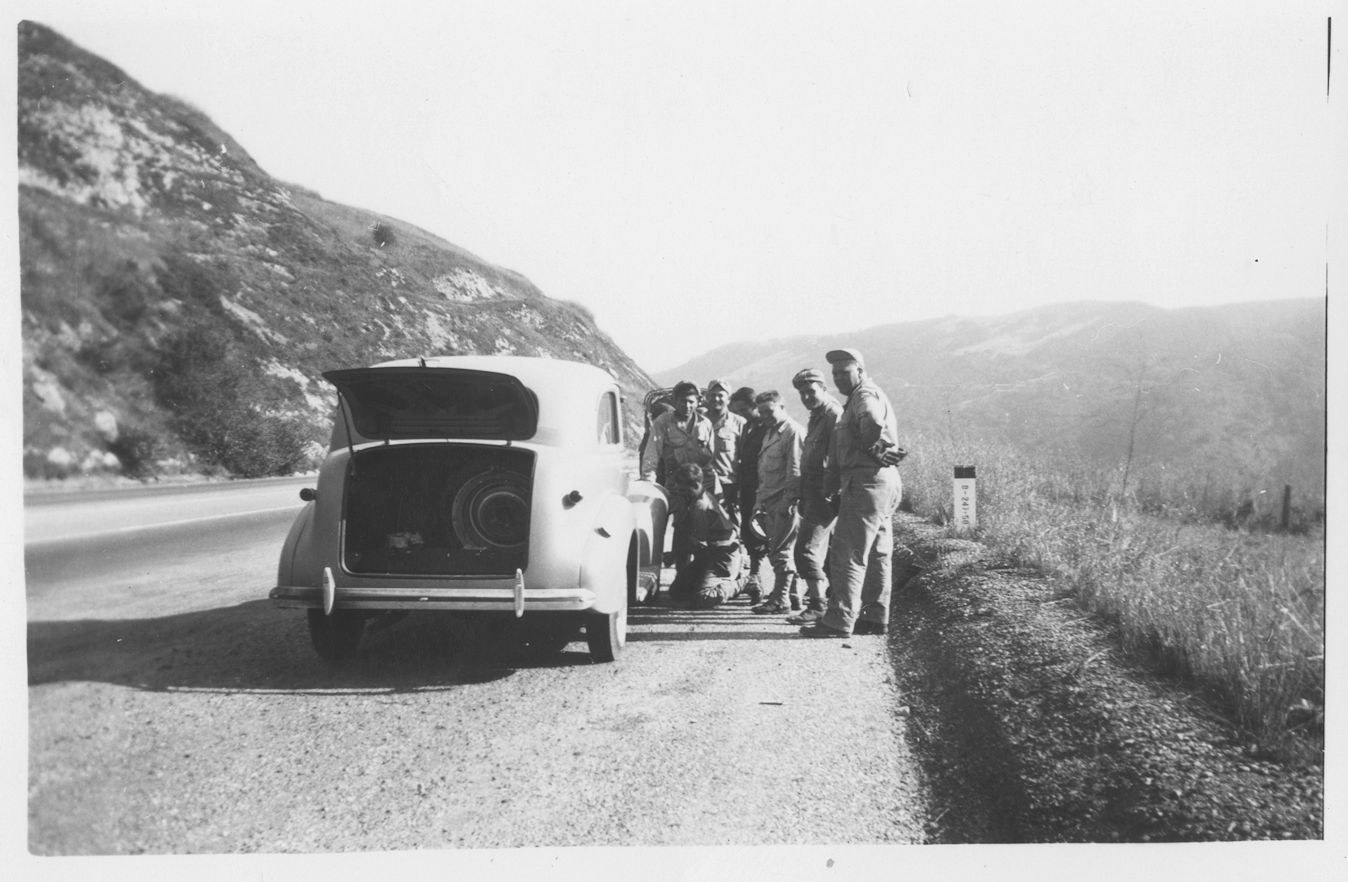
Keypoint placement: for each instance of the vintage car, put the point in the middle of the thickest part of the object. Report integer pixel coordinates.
(496, 487)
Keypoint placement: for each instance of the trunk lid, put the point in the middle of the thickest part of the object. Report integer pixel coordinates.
(393, 403)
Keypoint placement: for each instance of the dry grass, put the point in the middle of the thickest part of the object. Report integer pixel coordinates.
(1241, 612)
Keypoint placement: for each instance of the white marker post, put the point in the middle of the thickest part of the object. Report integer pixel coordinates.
(966, 499)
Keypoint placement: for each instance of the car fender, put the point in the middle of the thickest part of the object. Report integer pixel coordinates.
(650, 507)
(297, 552)
(604, 559)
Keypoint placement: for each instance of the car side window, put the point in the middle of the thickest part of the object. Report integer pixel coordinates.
(609, 427)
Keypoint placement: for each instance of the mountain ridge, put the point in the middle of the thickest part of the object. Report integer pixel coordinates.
(1239, 383)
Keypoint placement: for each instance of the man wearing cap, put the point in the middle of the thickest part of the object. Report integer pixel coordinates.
(681, 437)
(746, 474)
(726, 430)
(863, 471)
(779, 496)
(816, 509)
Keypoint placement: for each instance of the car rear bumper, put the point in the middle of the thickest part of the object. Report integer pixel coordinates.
(503, 599)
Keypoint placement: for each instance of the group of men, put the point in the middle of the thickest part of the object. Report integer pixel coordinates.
(749, 484)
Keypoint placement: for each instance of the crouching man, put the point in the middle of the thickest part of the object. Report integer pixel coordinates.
(710, 574)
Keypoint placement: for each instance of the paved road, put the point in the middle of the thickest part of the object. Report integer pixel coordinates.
(130, 553)
(172, 709)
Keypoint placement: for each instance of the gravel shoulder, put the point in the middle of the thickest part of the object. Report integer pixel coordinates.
(1032, 726)
(219, 731)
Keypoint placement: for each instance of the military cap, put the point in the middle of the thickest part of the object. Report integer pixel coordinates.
(807, 376)
(718, 384)
(836, 355)
(685, 387)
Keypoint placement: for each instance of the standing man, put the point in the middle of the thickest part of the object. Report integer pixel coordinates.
(816, 508)
(726, 430)
(658, 408)
(746, 473)
(681, 437)
(779, 496)
(863, 469)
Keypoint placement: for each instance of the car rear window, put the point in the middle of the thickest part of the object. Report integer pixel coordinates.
(426, 402)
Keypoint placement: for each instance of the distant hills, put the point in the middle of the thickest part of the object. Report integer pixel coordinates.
(1234, 391)
(179, 304)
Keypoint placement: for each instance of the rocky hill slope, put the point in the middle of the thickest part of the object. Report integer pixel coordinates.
(179, 304)
(1235, 391)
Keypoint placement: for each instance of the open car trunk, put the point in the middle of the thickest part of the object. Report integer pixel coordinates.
(437, 510)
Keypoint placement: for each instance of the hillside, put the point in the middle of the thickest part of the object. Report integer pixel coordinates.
(179, 304)
(1234, 391)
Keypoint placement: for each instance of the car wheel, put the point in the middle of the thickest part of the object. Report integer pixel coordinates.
(606, 634)
(336, 637)
(634, 577)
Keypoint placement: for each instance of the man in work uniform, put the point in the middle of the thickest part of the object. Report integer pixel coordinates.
(816, 508)
(863, 471)
(681, 437)
(726, 430)
(779, 496)
(746, 473)
(658, 408)
(711, 575)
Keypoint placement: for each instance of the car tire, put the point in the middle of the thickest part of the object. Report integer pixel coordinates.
(633, 576)
(336, 637)
(606, 633)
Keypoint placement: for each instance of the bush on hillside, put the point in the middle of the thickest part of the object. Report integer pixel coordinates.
(192, 283)
(383, 234)
(125, 293)
(221, 410)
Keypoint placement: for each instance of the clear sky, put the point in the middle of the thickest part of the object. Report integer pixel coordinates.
(701, 172)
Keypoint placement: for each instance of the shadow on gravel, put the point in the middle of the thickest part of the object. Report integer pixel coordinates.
(684, 636)
(722, 618)
(255, 646)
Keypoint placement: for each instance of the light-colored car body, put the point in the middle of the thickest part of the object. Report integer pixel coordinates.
(482, 485)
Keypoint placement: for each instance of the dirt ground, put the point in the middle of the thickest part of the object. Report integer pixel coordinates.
(1032, 726)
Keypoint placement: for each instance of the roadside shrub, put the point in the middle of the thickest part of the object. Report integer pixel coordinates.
(137, 449)
(223, 412)
(250, 443)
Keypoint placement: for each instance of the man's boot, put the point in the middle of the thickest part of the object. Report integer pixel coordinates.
(777, 600)
(815, 604)
(753, 585)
